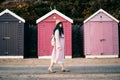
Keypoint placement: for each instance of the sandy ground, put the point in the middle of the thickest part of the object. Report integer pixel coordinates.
(69, 62)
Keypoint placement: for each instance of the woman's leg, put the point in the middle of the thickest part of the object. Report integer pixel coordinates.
(63, 69)
(62, 66)
(50, 69)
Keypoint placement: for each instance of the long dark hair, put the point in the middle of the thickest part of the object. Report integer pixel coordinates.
(61, 31)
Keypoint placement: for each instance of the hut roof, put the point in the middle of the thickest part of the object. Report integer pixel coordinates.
(13, 14)
(100, 10)
(52, 12)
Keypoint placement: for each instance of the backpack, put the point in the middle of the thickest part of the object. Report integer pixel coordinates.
(53, 40)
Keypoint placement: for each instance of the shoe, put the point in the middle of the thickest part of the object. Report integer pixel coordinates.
(51, 71)
(65, 70)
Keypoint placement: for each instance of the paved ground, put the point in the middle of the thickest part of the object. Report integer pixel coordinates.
(81, 69)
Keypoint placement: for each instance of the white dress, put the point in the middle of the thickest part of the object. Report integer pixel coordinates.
(57, 55)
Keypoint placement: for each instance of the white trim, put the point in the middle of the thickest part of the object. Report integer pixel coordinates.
(48, 57)
(52, 12)
(44, 57)
(101, 56)
(69, 57)
(13, 14)
(2, 57)
(100, 10)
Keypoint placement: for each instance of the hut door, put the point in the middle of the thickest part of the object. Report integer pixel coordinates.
(8, 38)
(45, 33)
(101, 38)
(96, 34)
(107, 39)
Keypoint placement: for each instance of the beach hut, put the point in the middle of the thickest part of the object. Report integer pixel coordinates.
(11, 35)
(101, 35)
(46, 25)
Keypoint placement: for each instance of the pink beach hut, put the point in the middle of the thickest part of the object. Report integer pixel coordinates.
(101, 35)
(46, 25)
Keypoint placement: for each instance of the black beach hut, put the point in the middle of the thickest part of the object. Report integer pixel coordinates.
(11, 35)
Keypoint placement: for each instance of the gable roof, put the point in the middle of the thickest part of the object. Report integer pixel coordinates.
(100, 10)
(52, 12)
(13, 14)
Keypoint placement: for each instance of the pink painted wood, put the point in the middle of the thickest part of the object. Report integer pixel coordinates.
(101, 40)
(101, 36)
(45, 30)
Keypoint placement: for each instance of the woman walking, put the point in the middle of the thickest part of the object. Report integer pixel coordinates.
(58, 54)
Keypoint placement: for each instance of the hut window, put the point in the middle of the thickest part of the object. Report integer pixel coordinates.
(100, 16)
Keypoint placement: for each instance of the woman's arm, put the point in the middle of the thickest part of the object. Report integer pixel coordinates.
(57, 38)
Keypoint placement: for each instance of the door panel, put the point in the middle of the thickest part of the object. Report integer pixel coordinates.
(95, 38)
(101, 41)
(45, 33)
(8, 38)
(107, 38)
(48, 33)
